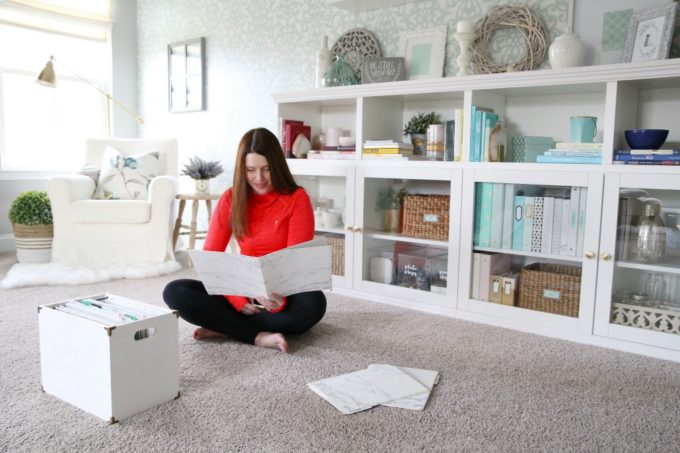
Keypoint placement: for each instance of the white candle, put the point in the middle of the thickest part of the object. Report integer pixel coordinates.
(464, 26)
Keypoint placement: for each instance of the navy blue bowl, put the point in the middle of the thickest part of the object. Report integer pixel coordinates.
(646, 138)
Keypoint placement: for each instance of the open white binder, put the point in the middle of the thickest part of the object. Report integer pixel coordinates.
(297, 269)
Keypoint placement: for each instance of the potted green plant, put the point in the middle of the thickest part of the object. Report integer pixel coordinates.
(202, 171)
(389, 200)
(416, 128)
(31, 217)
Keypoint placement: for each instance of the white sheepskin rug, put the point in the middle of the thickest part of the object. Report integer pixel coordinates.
(24, 274)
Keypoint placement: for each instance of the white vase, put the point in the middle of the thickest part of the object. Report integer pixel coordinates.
(323, 61)
(202, 186)
(566, 51)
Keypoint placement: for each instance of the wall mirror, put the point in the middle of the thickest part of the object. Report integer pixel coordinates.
(186, 75)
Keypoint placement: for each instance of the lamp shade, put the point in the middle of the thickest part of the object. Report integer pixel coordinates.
(47, 75)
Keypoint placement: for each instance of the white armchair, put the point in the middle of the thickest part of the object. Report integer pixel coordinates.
(91, 231)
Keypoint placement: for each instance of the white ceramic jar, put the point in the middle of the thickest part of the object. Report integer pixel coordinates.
(566, 51)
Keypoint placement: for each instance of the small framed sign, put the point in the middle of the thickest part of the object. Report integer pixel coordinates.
(650, 33)
(388, 69)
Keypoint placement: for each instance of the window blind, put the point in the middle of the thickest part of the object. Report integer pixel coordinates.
(89, 19)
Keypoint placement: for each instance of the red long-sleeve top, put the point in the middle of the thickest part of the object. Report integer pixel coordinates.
(275, 221)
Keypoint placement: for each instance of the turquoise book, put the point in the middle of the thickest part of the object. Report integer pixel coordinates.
(479, 114)
(478, 210)
(496, 235)
(518, 222)
(528, 223)
(485, 213)
(508, 209)
(471, 145)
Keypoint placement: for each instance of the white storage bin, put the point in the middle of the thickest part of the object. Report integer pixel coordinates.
(110, 369)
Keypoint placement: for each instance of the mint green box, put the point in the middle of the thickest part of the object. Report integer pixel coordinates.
(527, 148)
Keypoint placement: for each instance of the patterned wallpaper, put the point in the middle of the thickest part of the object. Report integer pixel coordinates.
(256, 47)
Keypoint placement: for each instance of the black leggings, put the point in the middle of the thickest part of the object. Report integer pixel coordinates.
(195, 305)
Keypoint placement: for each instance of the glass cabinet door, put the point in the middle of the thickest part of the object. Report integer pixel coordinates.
(531, 246)
(406, 244)
(640, 259)
(328, 191)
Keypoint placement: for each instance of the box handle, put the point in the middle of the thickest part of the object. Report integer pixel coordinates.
(145, 333)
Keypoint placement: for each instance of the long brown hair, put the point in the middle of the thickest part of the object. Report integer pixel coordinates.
(263, 142)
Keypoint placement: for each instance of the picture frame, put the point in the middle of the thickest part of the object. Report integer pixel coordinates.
(424, 52)
(649, 34)
(186, 75)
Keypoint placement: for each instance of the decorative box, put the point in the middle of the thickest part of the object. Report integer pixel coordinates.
(528, 148)
(111, 369)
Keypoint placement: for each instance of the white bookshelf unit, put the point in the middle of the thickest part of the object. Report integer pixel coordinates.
(533, 103)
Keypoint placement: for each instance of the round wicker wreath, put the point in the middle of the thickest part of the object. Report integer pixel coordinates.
(520, 17)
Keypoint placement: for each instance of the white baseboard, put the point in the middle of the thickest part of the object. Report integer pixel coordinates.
(7, 243)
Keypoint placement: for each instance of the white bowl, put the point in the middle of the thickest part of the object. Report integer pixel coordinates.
(346, 141)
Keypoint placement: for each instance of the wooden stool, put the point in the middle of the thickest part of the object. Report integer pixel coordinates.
(193, 234)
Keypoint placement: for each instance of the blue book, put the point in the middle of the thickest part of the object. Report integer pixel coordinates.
(646, 152)
(478, 211)
(498, 197)
(569, 159)
(485, 213)
(518, 222)
(473, 115)
(478, 135)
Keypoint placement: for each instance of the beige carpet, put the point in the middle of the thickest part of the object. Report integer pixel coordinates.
(499, 390)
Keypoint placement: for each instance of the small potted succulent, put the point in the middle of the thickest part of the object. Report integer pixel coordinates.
(416, 128)
(31, 217)
(389, 200)
(202, 171)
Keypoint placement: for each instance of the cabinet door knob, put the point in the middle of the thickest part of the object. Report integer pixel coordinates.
(589, 254)
(606, 256)
(356, 229)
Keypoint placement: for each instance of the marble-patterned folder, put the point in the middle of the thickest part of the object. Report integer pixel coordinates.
(427, 378)
(364, 389)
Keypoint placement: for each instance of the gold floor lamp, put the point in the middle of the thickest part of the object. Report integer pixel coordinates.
(49, 78)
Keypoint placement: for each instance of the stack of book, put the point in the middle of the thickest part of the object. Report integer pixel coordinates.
(289, 132)
(389, 150)
(572, 153)
(333, 152)
(647, 157)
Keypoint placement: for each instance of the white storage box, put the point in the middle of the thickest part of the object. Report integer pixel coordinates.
(112, 368)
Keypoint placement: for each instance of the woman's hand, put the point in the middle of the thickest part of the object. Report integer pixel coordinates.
(250, 309)
(272, 302)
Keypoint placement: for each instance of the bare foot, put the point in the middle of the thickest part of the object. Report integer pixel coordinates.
(271, 340)
(202, 333)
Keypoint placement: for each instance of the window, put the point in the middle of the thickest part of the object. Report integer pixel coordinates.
(44, 128)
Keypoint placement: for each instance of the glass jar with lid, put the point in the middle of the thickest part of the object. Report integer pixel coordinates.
(651, 240)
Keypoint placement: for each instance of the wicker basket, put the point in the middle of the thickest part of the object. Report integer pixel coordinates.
(33, 242)
(337, 244)
(426, 216)
(32, 231)
(552, 288)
